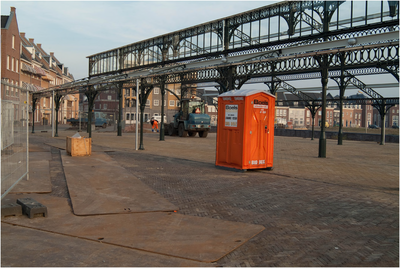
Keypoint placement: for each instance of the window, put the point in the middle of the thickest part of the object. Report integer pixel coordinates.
(105, 106)
(109, 97)
(8, 62)
(148, 102)
(284, 112)
(127, 92)
(13, 42)
(156, 102)
(127, 116)
(12, 64)
(156, 91)
(12, 88)
(133, 116)
(171, 103)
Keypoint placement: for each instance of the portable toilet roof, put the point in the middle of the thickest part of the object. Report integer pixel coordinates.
(244, 93)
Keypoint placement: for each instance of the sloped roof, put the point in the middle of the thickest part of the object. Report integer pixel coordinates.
(4, 20)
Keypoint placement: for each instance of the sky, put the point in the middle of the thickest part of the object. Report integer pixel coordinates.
(74, 30)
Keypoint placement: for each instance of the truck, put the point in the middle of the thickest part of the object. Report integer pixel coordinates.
(190, 120)
(98, 118)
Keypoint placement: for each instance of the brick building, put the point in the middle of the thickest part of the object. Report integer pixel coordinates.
(27, 65)
(10, 55)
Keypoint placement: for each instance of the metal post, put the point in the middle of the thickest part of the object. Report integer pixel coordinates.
(33, 113)
(383, 119)
(120, 109)
(322, 139)
(162, 85)
(137, 112)
(27, 134)
(52, 116)
(366, 119)
(79, 115)
(312, 125)
(342, 89)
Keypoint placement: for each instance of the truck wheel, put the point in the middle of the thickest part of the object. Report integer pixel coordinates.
(192, 133)
(171, 130)
(181, 130)
(203, 134)
(104, 125)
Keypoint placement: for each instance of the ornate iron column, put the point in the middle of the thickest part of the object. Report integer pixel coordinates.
(313, 108)
(91, 95)
(273, 85)
(226, 79)
(120, 114)
(162, 88)
(383, 109)
(57, 102)
(145, 90)
(342, 83)
(34, 101)
(324, 62)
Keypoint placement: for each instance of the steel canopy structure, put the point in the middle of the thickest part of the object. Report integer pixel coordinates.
(291, 40)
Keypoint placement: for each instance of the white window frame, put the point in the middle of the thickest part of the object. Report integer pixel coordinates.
(172, 103)
(156, 103)
(156, 91)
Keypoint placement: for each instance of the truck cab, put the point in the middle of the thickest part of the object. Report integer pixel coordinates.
(191, 119)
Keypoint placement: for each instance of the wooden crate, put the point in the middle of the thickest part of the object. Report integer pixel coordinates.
(79, 146)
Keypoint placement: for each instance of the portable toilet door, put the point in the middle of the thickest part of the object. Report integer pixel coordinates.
(245, 136)
(259, 131)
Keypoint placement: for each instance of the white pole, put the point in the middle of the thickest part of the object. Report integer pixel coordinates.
(79, 115)
(137, 114)
(27, 135)
(52, 116)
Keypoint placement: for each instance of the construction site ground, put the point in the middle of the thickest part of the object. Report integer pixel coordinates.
(169, 205)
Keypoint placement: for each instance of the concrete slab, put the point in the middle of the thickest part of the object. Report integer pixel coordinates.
(45, 249)
(170, 234)
(36, 148)
(39, 175)
(97, 184)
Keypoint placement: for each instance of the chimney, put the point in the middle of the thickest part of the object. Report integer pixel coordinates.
(13, 9)
(22, 35)
(31, 40)
(39, 46)
(52, 54)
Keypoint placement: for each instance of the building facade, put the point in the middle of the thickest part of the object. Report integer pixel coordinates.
(27, 65)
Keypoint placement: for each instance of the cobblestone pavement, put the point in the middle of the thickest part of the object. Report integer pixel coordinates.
(338, 211)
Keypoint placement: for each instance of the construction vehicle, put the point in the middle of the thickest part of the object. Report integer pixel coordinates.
(190, 120)
(98, 118)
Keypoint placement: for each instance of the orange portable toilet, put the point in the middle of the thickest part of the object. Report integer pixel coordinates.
(245, 132)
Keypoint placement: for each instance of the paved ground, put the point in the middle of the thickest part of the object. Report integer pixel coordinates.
(342, 210)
